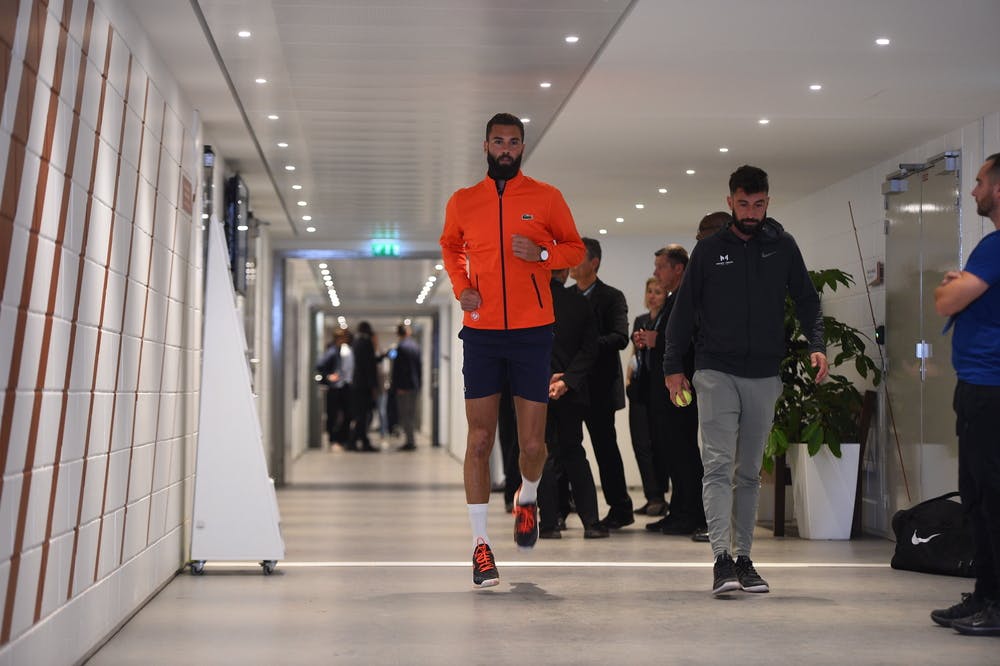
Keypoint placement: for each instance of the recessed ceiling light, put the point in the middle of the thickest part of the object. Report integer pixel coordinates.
(296, 187)
(289, 167)
(602, 231)
(572, 39)
(690, 172)
(815, 86)
(438, 267)
(723, 149)
(432, 278)
(282, 144)
(525, 120)
(204, 216)
(244, 34)
(260, 80)
(325, 271)
(763, 121)
(882, 41)
(640, 206)
(662, 190)
(545, 84)
(311, 229)
(619, 220)
(322, 265)
(307, 218)
(272, 116)
(302, 203)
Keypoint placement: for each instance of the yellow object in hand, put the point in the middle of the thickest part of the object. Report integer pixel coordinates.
(683, 398)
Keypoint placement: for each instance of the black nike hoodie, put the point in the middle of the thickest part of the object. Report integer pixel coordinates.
(733, 291)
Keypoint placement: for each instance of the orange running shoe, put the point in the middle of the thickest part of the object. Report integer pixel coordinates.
(484, 567)
(525, 523)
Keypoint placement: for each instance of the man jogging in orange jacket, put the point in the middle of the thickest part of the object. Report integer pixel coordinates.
(502, 238)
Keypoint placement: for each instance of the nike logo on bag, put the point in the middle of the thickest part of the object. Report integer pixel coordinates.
(765, 255)
(916, 541)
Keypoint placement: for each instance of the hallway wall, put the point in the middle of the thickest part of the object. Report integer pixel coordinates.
(100, 275)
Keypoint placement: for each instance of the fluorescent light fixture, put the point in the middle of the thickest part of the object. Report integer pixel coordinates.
(301, 203)
(311, 229)
(307, 218)
(323, 266)
(619, 220)
(602, 231)
(296, 187)
(662, 190)
(525, 120)
(289, 167)
(241, 227)
(640, 206)
(438, 267)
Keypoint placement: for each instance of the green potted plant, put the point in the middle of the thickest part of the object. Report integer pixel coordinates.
(818, 419)
(819, 414)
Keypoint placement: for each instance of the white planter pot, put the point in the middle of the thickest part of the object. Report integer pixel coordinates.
(824, 488)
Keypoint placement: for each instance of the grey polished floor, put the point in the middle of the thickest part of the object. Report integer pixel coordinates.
(378, 571)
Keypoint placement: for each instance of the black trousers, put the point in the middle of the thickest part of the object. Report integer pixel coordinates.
(654, 482)
(567, 458)
(977, 409)
(675, 450)
(600, 422)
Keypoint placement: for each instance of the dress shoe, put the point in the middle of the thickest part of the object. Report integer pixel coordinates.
(700, 535)
(407, 447)
(368, 448)
(676, 527)
(561, 523)
(656, 526)
(617, 522)
(550, 533)
(653, 508)
(596, 531)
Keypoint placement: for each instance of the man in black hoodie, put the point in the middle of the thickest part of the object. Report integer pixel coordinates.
(734, 287)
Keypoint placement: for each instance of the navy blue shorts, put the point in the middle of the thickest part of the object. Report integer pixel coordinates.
(520, 356)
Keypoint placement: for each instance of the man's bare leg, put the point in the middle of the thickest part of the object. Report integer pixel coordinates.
(481, 414)
(531, 436)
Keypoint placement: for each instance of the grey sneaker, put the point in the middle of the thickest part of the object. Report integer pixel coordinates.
(750, 580)
(725, 579)
(967, 607)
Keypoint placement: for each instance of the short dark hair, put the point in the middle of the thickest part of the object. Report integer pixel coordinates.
(676, 254)
(401, 330)
(508, 119)
(593, 248)
(994, 170)
(365, 328)
(712, 223)
(750, 179)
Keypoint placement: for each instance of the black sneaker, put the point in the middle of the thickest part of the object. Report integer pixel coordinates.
(750, 580)
(525, 523)
(967, 607)
(984, 623)
(725, 579)
(484, 567)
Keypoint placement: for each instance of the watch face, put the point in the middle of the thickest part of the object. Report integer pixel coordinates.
(544, 255)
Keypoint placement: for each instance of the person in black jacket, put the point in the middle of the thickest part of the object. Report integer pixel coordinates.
(606, 382)
(405, 383)
(734, 288)
(574, 350)
(364, 386)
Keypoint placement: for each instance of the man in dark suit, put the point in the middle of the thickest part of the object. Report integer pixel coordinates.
(607, 385)
(574, 350)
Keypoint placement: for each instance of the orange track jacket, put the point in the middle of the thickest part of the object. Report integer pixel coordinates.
(476, 245)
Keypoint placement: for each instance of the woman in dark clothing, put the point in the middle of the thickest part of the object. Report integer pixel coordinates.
(365, 385)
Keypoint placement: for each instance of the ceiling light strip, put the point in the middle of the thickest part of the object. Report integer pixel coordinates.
(239, 105)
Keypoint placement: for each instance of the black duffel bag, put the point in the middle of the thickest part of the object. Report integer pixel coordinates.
(935, 536)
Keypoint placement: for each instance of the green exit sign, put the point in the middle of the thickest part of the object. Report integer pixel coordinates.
(382, 247)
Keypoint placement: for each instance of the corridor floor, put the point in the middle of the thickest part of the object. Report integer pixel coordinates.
(378, 571)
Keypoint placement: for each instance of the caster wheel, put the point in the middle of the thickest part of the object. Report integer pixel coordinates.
(197, 567)
(268, 566)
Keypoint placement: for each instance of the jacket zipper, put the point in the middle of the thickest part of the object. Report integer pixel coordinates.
(538, 294)
(503, 265)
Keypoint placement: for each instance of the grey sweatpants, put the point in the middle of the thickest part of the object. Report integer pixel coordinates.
(734, 417)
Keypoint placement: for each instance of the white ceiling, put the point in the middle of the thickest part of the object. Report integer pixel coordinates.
(384, 102)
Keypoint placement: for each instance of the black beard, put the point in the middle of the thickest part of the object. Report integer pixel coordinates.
(499, 171)
(747, 229)
(985, 208)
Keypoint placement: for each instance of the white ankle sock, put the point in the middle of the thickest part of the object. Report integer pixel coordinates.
(529, 491)
(477, 518)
